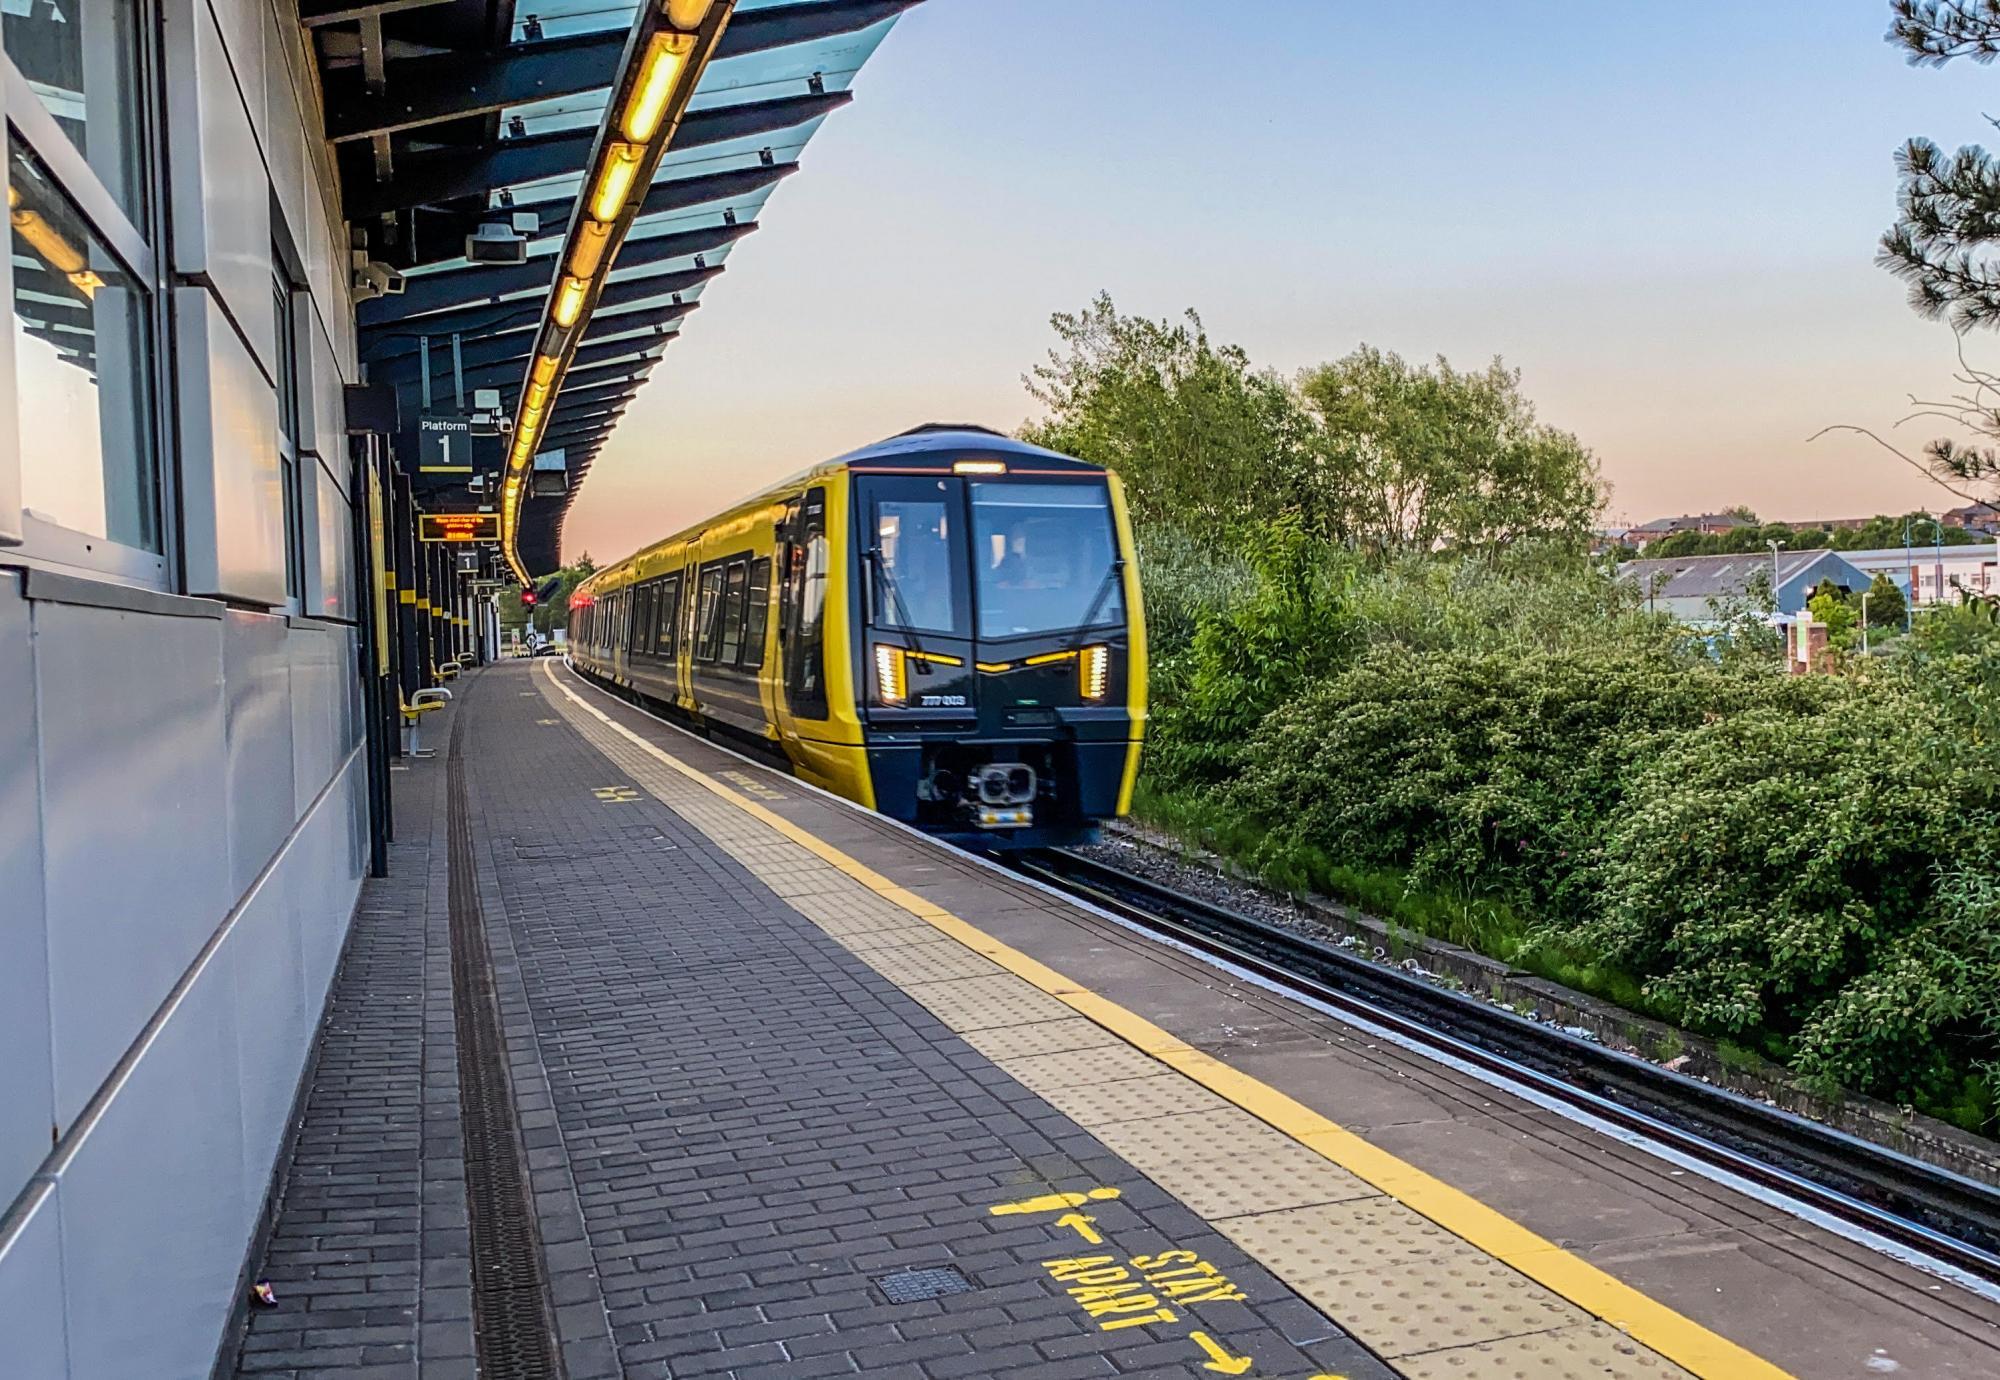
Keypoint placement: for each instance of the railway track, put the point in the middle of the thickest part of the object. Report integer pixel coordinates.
(1945, 1216)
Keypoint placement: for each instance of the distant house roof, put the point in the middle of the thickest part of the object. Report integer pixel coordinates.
(1978, 516)
(1690, 522)
(1716, 577)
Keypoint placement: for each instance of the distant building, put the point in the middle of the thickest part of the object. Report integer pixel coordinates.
(1707, 524)
(1846, 524)
(1927, 573)
(1689, 587)
(1975, 517)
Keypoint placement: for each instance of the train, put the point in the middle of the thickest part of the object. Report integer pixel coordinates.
(945, 627)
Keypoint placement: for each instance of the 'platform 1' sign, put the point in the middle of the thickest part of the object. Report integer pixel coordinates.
(444, 443)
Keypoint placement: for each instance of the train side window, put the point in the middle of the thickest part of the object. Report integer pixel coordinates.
(642, 619)
(708, 622)
(670, 612)
(758, 615)
(735, 582)
(806, 568)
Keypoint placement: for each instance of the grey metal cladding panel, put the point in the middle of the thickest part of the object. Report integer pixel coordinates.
(235, 235)
(283, 131)
(134, 825)
(316, 699)
(234, 506)
(155, 1223)
(336, 840)
(257, 677)
(323, 404)
(33, 1339)
(273, 1030)
(27, 1090)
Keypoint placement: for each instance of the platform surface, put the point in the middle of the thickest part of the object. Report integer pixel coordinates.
(802, 1095)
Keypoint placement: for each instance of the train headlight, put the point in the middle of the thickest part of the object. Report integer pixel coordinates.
(1093, 672)
(892, 674)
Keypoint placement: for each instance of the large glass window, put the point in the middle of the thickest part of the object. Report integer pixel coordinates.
(916, 578)
(83, 367)
(83, 59)
(1043, 554)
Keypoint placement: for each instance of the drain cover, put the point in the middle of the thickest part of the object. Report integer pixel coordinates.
(915, 1286)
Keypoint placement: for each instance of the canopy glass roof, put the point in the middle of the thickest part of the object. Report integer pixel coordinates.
(456, 112)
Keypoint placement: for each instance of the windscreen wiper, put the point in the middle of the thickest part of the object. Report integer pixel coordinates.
(1104, 588)
(901, 609)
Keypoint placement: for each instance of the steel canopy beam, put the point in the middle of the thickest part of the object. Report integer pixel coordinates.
(489, 283)
(314, 13)
(448, 86)
(448, 174)
(518, 345)
(496, 318)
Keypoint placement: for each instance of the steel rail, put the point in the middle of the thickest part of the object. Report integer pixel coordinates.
(1944, 1215)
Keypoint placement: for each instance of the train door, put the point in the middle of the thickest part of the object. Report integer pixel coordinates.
(805, 561)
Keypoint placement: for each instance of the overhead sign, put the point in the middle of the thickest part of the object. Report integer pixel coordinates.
(458, 527)
(444, 443)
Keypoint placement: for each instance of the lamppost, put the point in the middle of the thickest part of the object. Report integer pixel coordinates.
(1777, 604)
(1937, 534)
(1864, 622)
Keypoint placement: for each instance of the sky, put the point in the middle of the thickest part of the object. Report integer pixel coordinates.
(1664, 214)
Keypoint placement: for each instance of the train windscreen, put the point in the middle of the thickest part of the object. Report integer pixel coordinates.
(1042, 556)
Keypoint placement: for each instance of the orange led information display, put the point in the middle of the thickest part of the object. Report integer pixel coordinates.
(467, 527)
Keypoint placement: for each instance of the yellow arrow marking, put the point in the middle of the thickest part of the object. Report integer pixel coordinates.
(1080, 1224)
(1052, 1202)
(1219, 1357)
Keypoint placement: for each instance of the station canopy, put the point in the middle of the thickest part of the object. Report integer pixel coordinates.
(446, 116)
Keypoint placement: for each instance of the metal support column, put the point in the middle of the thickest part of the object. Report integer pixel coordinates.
(410, 670)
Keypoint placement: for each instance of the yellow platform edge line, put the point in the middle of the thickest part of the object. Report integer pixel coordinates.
(1680, 1339)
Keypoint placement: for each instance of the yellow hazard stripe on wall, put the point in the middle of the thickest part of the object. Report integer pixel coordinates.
(1708, 1355)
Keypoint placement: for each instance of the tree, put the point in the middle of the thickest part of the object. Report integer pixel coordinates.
(1416, 458)
(1886, 605)
(1367, 451)
(1202, 440)
(1828, 604)
(1946, 240)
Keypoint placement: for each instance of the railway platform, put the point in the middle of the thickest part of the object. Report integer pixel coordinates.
(646, 1060)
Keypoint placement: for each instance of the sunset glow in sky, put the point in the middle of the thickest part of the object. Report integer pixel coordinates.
(1665, 215)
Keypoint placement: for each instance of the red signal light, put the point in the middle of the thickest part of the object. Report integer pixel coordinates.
(527, 598)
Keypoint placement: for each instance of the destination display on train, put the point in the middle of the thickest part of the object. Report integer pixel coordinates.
(458, 527)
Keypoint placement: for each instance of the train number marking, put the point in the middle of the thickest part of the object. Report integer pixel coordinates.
(941, 701)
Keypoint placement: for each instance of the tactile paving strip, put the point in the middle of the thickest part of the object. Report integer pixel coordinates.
(1364, 1233)
(1230, 1187)
(1396, 1280)
(1023, 1042)
(940, 961)
(1429, 1305)
(980, 1003)
(1074, 1068)
(1132, 1099)
(1595, 1350)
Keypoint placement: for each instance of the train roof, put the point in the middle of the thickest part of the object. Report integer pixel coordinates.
(912, 449)
(958, 439)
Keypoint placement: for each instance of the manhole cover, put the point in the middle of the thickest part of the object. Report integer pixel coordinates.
(915, 1286)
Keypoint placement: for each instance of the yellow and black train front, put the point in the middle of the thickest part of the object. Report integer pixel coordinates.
(1001, 647)
(945, 626)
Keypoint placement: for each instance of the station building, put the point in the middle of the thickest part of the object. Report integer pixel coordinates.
(269, 262)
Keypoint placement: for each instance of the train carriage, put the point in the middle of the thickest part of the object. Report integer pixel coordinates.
(945, 627)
